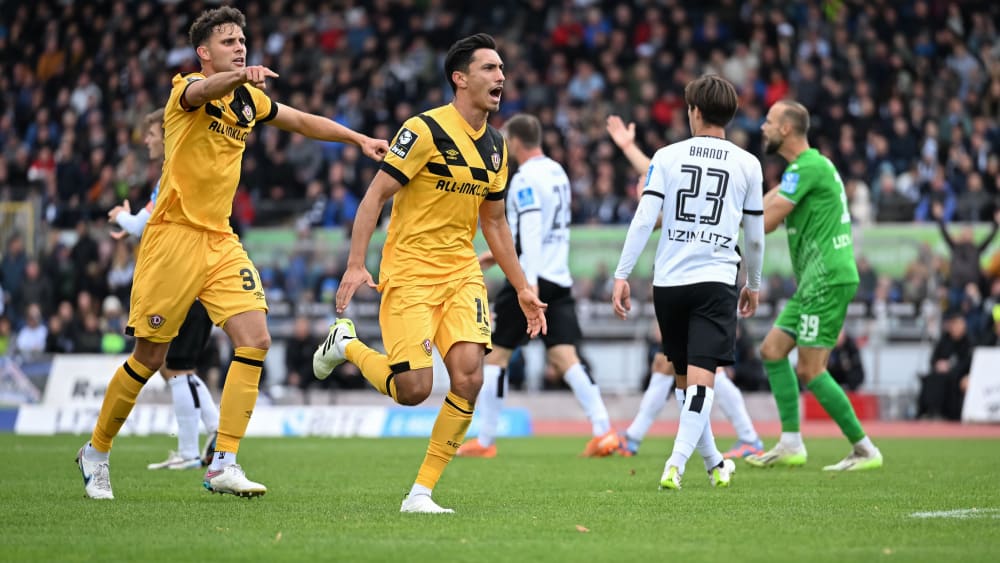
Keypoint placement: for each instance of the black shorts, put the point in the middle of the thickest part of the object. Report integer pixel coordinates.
(186, 348)
(510, 326)
(698, 324)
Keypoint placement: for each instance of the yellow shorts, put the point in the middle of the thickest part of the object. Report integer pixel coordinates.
(176, 264)
(414, 317)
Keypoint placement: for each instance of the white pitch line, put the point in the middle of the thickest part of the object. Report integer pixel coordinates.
(960, 513)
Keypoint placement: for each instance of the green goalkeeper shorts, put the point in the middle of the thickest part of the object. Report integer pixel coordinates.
(815, 318)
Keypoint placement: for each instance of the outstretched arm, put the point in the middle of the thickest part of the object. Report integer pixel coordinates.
(316, 127)
(199, 92)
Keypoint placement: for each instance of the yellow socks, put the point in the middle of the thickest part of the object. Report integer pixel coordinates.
(446, 437)
(374, 367)
(118, 402)
(239, 395)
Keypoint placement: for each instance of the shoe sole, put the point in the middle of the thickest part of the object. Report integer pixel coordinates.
(782, 462)
(866, 466)
(241, 494)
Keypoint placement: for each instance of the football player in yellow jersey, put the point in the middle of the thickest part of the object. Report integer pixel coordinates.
(189, 251)
(447, 170)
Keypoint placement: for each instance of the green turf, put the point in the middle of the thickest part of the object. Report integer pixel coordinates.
(338, 500)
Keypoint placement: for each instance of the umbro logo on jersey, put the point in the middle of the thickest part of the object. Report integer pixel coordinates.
(404, 141)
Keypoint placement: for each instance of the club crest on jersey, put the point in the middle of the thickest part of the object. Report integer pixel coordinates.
(248, 113)
(789, 182)
(495, 157)
(156, 321)
(426, 345)
(404, 141)
(525, 198)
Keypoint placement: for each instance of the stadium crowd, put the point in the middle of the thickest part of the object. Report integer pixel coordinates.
(904, 97)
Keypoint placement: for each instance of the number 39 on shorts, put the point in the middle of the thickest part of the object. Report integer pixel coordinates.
(808, 327)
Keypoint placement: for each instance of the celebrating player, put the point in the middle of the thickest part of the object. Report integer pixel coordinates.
(189, 250)
(447, 169)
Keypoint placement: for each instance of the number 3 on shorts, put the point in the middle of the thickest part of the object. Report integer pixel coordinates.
(808, 327)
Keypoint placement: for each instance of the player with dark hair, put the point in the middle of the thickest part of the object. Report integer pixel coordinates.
(189, 250)
(446, 171)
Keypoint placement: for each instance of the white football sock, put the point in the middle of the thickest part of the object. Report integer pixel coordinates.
(589, 397)
(490, 403)
(419, 490)
(90, 454)
(791, 440)
(866, 445)
(184, 395)
(652, 403)
(206, 404)
(694, 416)
(730, 400)
(221, 460)
(706, 447)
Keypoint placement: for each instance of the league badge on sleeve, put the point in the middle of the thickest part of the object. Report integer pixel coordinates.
(789, 182)
(525, 198)
(404, 141)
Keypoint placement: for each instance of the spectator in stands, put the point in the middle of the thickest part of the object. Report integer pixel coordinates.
(299, 350)
(12, 270)
(942, 391)
(845, 362)
(58, 340)
(965, 256)
(31, 338)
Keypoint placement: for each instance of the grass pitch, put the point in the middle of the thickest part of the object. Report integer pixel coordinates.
(338, 500)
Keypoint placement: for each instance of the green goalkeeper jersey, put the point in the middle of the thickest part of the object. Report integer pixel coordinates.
(819, 227)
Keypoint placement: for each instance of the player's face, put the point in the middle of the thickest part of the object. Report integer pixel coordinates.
(154, 141)
(485, 79)
(771, 130)
(227, 48)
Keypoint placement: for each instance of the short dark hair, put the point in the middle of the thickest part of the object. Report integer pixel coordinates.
(714, 96)
(797, 115)
(460, 54)
(206, 23)
(155, 116)
(525, 128)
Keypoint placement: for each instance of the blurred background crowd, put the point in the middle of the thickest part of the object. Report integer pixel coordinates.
(904, 97)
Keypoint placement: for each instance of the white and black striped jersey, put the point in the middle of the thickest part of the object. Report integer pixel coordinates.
(704, 186)
(538, 210)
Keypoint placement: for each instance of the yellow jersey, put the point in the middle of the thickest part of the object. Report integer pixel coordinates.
(447, 169)
(203, 154)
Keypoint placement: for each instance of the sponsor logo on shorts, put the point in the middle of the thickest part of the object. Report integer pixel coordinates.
(426, 344)
(259, 295)
(156, 321)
